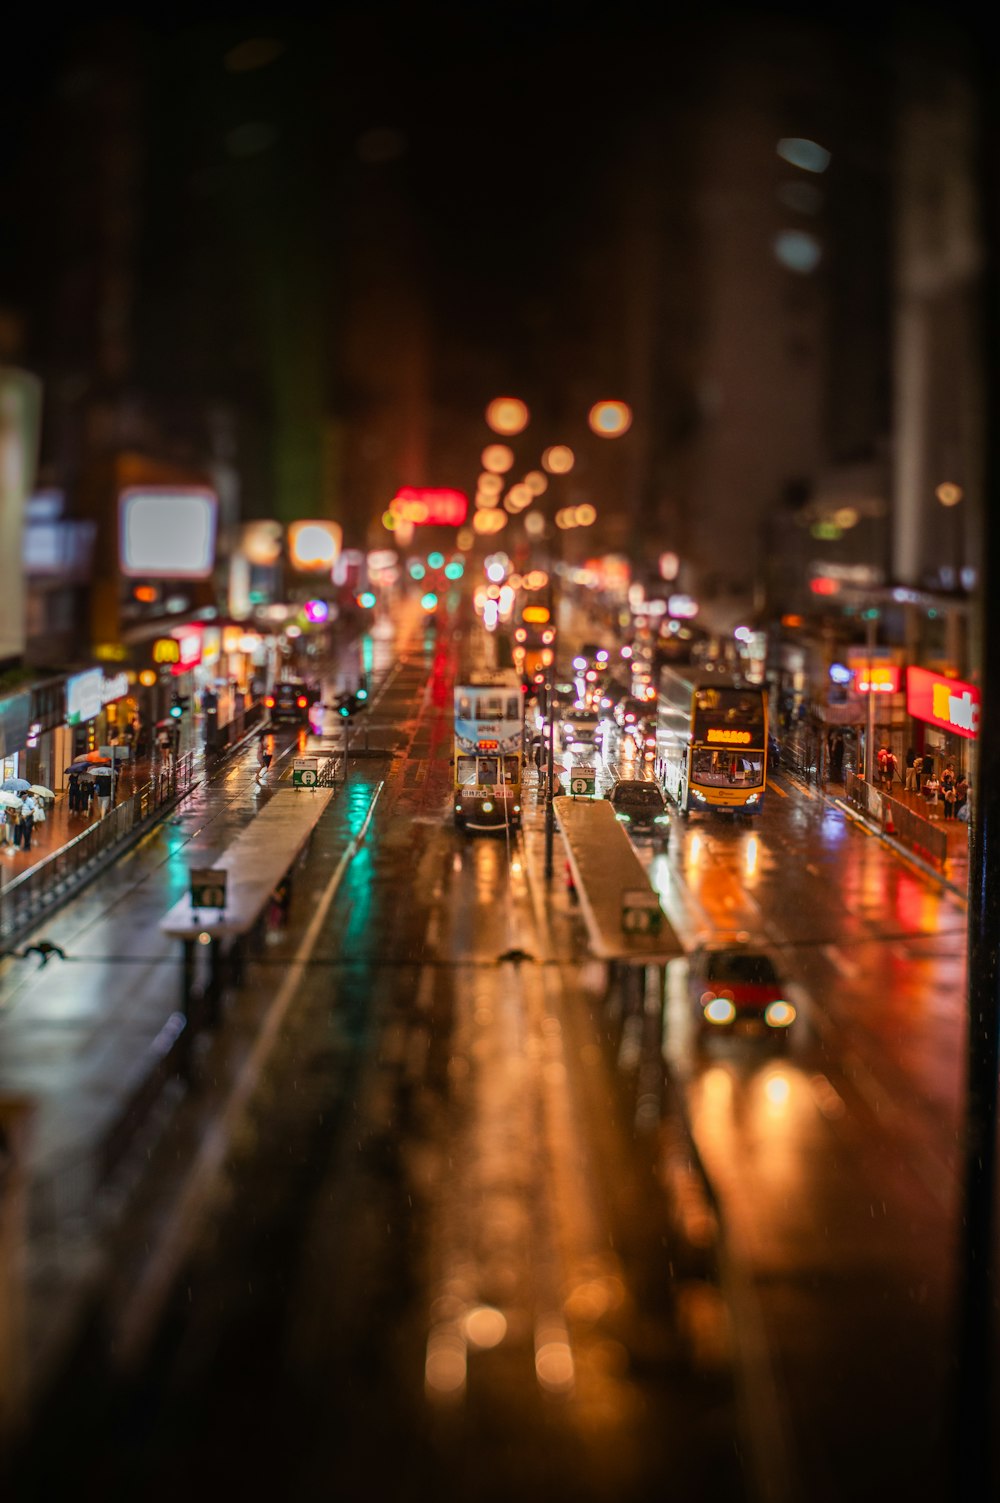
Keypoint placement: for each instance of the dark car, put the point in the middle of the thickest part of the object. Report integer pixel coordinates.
(289, 702)
(736, 989)
(640, 805)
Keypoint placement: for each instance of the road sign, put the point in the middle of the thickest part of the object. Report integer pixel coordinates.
(583, 781)
(208, 887)
(305, 772)
(641, 911)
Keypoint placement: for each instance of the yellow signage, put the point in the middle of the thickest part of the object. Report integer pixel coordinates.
(166, 650)
(729, 738)
(535, 615)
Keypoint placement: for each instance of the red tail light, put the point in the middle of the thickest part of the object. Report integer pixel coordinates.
(269, 701)
(302, 701)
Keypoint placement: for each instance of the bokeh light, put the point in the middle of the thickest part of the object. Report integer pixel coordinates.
(507, 415)
(536, 482)
(610, 419)
(558, 459)
(497, 457)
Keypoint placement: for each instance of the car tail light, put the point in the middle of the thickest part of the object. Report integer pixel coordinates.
(269, 701)
(302, 701)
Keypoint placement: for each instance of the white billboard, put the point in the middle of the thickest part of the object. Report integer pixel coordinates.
(167, 531)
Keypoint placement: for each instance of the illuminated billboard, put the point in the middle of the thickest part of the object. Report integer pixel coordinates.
(167, 531)
(429, 506)
(946, 702)
(314, 546)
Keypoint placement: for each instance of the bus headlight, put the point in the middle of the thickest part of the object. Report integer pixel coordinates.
(624, 819)
(699, 795)
(458, 808)
(752, 799)
(779, 1014)
(517, 808)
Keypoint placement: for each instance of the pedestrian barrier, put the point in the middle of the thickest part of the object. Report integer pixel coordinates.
(896, 818)
(27, 897)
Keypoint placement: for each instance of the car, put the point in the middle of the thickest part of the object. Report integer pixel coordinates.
(736, 989)
(640, 805)
(289, 702)
(579, 728)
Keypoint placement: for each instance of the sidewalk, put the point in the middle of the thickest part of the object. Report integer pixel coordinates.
(61, 826)
(956, 833)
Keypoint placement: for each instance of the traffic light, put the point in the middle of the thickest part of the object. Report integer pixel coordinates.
(178, 704)
(350, 704)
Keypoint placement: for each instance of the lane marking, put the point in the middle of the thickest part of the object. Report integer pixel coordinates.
(847, 968)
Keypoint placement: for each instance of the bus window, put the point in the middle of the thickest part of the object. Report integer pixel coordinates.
(463, 706)
(465, 772)
(489, 770)
(490, 707)
(511, 770)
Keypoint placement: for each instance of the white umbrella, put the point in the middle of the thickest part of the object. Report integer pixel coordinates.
(42, 792)
(9, 800)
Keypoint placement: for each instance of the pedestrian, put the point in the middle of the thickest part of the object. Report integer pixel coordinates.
(881, 764)
(918, 772)
(264, 759)
(931, 790)
(910, 781)
(961, 797)
(948, 781)
(837, 758)
(891, 768)
(73, 787)
(27, 820)
(103, 791)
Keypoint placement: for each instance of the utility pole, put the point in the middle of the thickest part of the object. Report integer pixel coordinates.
(550, 813)
(871, 624)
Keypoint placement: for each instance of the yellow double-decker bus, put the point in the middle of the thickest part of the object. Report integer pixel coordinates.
(711, 742)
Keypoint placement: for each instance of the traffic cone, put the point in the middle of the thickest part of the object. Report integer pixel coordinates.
(887, 825)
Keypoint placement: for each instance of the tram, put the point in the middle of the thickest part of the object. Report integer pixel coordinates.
(489, 749)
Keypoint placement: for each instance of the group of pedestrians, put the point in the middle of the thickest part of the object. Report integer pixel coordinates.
(82, 795)
(949, 792)
(19, 822)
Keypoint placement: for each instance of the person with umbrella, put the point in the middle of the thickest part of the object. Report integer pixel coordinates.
(28, 807)
(10, 808)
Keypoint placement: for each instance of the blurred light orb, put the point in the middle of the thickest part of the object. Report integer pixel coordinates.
(586, 515)
(558, 459)
(669, 565)
(949, 494)
(389, 521)
(486, 499)
(465, 539)
(497, 457)
(534, 524)
(801, 152)
(147, 678)
(798, 251)
(507, 415)
(496, 572)
(262, 542)
(845, 517)
(485, 1327)
(518, 497)
(429, 601)
(486, 522)
(491, 484)
(435, 560)
(610, 419)
(536, 482)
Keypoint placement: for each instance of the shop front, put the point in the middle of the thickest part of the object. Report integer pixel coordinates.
(945, 713)
(102, 715)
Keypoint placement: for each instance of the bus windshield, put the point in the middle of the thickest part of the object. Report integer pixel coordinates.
(727, 769)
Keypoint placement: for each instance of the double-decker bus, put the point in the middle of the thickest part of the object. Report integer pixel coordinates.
(711, 742)
(489, 749)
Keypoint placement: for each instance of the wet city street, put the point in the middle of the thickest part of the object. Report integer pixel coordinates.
(452, 1206)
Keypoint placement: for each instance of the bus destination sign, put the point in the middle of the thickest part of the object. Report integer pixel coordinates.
(726, 737)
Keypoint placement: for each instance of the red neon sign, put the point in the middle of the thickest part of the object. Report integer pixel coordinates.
(946, 702)
(428, 506)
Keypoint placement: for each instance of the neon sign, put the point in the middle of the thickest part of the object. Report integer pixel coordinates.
(729, 738)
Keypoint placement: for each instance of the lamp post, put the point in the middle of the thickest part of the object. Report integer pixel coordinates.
(871, 624)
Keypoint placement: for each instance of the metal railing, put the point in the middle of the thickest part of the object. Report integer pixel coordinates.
(26, 898)
(911, 829)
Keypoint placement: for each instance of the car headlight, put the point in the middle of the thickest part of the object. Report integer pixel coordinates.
(719, 1011)
(662, 819)
(624, 819)
(779, 1014)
